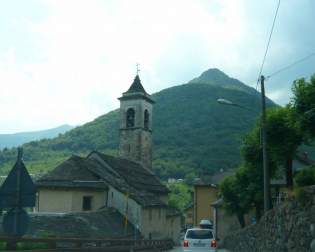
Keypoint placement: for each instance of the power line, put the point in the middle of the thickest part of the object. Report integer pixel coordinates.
(291, 65)
(268, 44)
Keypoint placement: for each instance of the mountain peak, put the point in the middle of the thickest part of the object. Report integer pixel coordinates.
(216, 77)
(210, 76)
(214, 73)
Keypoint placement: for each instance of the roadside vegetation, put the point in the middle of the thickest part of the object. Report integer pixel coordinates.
(180, 195)
(287, 129)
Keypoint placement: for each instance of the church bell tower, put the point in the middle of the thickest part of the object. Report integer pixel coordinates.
(136, 124)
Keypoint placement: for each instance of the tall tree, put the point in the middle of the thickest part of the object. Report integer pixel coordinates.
(304, 104)
(284, 138)
(234, 202)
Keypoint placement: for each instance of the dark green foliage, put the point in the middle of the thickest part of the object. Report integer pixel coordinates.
(283, 135)
(286, 128)
(306, 177)
(192, 133)
(304, 104)
(235, 198)
(304, 198)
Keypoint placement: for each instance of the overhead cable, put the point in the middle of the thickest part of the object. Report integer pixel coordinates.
(291, 65)
(268, 44)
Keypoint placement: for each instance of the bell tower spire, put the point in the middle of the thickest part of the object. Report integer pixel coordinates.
(135, 141)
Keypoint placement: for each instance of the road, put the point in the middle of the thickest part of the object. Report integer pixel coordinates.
(179, 249)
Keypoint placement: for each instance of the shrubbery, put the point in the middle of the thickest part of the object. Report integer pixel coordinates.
(306, 177)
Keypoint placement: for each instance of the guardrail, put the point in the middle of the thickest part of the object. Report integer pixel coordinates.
(53, 244)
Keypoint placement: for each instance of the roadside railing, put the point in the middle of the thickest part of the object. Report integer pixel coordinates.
(85, 244)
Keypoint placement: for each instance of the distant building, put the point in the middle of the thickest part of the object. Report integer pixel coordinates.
(204, 195)
(207, 204)
(125, 183)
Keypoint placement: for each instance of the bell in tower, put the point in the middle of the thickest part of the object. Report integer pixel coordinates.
(136, 124)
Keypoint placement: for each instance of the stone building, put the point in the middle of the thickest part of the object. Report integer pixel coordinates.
(125, 183)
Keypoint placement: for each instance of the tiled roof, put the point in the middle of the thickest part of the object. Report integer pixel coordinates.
(134, 173)
(213, 180)
(98, 171)
(136, 86)
(72, 173)
(129, 177)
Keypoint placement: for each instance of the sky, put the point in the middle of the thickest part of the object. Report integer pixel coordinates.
(67, 61)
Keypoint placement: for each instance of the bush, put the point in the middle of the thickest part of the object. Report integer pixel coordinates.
(306, 177)
(302, 196)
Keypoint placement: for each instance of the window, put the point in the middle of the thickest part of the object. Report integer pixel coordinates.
(130, 122)
(146, 119)
(87, 203)
(199, 234)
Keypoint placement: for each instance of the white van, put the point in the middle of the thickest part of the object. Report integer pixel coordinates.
(199, 239)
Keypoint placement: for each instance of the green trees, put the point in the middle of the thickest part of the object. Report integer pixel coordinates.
(180, 195)
(235, 198)
(304, 104)
(306, 177)
(284, 137)
(287, 128)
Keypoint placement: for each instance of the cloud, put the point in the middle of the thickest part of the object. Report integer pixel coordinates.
(71, 62)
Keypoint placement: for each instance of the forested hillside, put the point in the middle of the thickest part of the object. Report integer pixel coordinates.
(192, 133)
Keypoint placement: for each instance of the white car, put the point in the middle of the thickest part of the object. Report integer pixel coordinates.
(207, 224)
(199, 239)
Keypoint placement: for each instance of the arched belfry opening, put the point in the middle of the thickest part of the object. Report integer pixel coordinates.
(130, 120)
(146, 119)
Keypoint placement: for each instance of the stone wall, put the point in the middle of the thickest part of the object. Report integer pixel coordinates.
(288, 227)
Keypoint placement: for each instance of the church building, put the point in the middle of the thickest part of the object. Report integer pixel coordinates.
(125, 183)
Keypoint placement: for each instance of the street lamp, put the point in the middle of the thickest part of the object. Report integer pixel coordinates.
(230, 103)
(264, 141)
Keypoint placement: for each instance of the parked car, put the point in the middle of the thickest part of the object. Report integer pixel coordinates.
(206, 224)
(199, 239)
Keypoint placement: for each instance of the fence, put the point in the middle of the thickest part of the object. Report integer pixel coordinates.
(81, 244)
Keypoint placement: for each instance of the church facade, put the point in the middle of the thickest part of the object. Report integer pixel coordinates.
(125, 183)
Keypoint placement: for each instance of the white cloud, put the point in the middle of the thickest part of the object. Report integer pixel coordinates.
(83, 53)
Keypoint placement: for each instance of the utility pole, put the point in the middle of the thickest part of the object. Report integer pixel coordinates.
(264, 147)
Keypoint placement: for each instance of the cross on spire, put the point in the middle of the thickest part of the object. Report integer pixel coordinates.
(138, 70)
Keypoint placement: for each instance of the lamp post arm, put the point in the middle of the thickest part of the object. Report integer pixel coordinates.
(230, 103)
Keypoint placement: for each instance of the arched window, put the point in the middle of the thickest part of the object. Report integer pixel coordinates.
(130, 122)
(146, 119)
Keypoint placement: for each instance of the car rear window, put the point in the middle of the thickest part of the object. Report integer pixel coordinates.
(199, 234)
